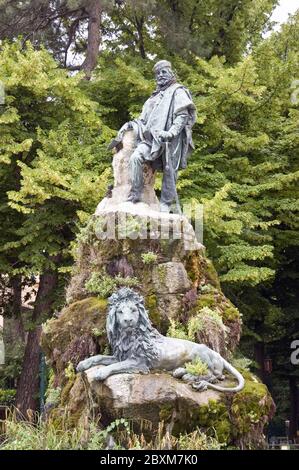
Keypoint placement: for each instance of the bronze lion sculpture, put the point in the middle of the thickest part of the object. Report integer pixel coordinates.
(138, 347)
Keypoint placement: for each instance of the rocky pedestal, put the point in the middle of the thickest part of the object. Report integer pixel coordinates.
(121, 187)
(159, 255)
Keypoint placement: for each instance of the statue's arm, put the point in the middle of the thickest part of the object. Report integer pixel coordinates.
(136, 124)
(95, 361)
(118, 139)
(179, 123)
(181, 107)
(181, 115)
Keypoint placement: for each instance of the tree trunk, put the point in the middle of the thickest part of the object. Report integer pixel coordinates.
(16, 283)
(174, 5)
(294, 403)
(94, 36)
(28, 385)
(139, 26)
(259, 354)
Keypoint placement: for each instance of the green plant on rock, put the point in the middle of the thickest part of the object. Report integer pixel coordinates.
(70, 372)
(149, 257)
(207, 288)
(130, 227)
(176, 331)
(242, 363)
(207, 299)
(204, 317)
(126, 281)
(103, 285)
(162, 273)
(86, 234)
(106, 350)
(197, 367)
(97, 332)
(199, 322)
(91, 233)
(231, 313)
(249, 408)
(52, 394)
(214, 418)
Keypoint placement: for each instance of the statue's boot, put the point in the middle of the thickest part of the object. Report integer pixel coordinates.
(164, 207)
(134, 197)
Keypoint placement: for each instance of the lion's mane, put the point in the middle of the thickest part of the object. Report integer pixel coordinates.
(137, 343)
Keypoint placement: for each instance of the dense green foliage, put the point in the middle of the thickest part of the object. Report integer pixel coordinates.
(52, 158)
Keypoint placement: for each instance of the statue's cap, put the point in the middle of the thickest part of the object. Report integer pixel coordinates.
(161, 64)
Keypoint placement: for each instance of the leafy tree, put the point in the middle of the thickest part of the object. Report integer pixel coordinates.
(145, 28)
(67, 28)
(52, 175)
(133, 26)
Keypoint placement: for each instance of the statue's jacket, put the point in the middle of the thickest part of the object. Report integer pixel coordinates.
(170, 110)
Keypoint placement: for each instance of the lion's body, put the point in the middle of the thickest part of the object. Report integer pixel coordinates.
(174, 352)
(138, 347)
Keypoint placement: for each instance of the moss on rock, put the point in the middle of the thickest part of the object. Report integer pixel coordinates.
(211, 274)
(251, 409)
(151, 304)
(206, 300)
(71, 338)
(74, 408)
(215, 300)
(214, 419)
(236, 420)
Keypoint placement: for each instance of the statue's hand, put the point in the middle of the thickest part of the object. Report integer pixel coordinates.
(165, 136)
(118, 139)
(126, 127)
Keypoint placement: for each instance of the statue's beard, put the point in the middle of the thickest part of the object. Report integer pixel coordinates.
(165, 82)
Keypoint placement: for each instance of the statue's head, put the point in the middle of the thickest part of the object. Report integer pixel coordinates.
(163, 72)
(129, 329)
(127, 315)
(126, 312)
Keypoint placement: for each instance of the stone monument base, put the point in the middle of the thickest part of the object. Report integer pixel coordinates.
(159, 256)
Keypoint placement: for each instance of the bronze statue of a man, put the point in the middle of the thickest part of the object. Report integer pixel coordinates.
(163, 135)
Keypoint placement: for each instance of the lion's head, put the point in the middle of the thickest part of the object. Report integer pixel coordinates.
(129, 329)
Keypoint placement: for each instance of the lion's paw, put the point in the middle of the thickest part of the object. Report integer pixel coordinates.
(189, 378)
(179, 372)
(84, 365)
(200, 386)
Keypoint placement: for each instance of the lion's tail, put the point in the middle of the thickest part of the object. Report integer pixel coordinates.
(235, 373)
